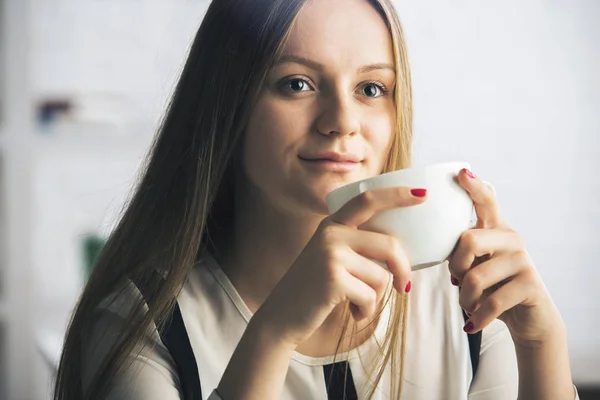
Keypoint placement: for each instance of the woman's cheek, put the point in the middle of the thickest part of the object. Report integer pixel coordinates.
(379, 137)
(266, 146)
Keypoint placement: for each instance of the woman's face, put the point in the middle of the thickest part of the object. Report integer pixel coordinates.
(326, 114)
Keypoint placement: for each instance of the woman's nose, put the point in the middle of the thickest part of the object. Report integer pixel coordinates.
(338, 117)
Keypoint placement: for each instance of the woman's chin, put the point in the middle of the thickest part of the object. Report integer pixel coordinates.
(312, 197)
(325, 189)
(320, 202)
(312, 203)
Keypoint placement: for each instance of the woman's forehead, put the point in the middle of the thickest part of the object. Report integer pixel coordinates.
(351, 32)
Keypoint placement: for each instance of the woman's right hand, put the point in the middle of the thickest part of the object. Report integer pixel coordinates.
(336, 265)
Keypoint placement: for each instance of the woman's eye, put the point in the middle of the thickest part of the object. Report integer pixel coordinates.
(373, 90)
(297, 85)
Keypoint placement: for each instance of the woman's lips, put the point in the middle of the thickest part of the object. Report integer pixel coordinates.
(331, 165)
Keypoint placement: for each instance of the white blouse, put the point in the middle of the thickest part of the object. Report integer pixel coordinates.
(437, 361)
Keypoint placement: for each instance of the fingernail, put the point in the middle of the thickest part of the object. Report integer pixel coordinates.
(471, 175)
(468, 327)
(408, 287)
(454, 281)
(469, 314)
(419, 192)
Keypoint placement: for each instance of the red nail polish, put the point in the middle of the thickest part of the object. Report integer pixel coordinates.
(419, 192)
(454, 281)
(408, 287)
(468, 327)
(469, 314)
(471, 175)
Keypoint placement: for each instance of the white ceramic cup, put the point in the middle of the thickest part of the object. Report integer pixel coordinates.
(428, 232)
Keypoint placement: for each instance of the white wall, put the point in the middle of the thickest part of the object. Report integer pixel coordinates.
(15, 258)
(129, 48)
(514, 88)
(510, 86)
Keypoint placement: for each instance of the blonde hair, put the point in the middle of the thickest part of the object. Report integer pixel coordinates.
(392, 350)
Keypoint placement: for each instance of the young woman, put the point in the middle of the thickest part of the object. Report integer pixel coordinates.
(226, 276)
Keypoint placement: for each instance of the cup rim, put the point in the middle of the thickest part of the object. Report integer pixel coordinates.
(399, 172)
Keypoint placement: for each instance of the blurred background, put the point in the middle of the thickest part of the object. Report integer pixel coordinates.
(512, 87)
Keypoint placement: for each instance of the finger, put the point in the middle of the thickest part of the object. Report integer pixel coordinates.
(488, 277)
(486, 205)
(361, 295)
(371, 273)
(476, 243)
(506, 297)
(383, 248)
(362, 207)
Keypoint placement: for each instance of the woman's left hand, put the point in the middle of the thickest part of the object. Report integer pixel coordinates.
(496, 275)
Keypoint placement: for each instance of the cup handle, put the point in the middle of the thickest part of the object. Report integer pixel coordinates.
(473, 214)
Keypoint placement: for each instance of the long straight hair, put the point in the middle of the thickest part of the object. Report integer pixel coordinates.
(184, 197)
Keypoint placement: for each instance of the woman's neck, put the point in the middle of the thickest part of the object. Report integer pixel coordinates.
(262, 245)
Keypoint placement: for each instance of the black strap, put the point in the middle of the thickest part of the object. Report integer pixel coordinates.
(474, 346)
(338, 376)
(340, 386)
(176, 340)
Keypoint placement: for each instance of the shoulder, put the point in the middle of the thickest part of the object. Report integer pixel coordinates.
(148, 365)
(121, 304)
(122, 300)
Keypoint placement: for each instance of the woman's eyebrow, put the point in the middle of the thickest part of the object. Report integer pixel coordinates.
(374, 67)
(319, 67)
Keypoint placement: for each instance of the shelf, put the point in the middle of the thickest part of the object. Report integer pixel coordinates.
(74, 139)
(92, 139)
